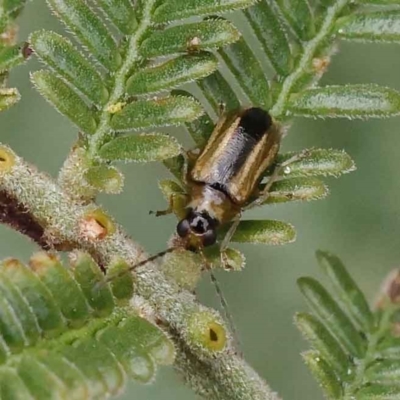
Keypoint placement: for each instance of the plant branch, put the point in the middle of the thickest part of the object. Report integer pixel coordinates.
(310, 49)
(370, 354)
(18, 218)
(120, 78)
(224, 375)
(232, 372)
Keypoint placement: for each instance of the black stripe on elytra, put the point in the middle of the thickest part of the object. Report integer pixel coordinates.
(253, 125)
(255, 122)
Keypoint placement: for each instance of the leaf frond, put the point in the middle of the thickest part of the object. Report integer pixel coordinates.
(356, 349)
(65, 333)
(12, 53)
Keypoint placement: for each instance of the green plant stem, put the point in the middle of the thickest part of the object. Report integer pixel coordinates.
(120, 78)
(196, 373)
(61, 220)
(370, 354)
(310, 49)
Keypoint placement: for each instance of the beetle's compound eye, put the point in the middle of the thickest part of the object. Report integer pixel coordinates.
(183, 228)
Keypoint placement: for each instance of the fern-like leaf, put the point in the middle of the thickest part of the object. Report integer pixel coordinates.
(66, 334)
(356, 352)
(12, 54)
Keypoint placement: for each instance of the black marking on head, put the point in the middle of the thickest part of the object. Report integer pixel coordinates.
(200, 224)
(255, 122)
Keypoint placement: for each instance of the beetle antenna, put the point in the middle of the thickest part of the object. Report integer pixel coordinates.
(139, 264)
(227, 313)
(224, 305)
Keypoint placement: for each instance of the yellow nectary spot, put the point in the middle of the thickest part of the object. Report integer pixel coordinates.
(207, 332)
(217, 336)
(96, 225)
(116, 107)
(7, 159)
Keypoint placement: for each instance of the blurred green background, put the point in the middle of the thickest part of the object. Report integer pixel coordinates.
(359, 221)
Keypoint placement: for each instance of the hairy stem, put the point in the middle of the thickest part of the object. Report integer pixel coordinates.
(18, 218)
(232, 372)
(370, 354)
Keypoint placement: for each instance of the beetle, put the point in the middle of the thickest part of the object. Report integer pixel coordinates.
(223, 179)
(225, 176)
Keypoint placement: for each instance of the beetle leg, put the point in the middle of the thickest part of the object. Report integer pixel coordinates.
(221, 109)
(160, 213)
(170, 209)
(276, 175)
(228, 236)
(191, 157)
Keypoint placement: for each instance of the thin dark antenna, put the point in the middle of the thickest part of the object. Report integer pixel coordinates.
(214, 280)
(226, 311)
(224, 305)
(139, 264)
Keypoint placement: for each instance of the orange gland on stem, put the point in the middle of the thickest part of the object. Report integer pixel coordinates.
(96, 225)
(116, 107)
(321, 64)
(11, 264)
(9, 37)
(7, 159)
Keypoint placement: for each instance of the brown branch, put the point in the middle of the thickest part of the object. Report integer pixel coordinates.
(17, 216)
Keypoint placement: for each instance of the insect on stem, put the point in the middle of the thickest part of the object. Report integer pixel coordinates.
(221, 183)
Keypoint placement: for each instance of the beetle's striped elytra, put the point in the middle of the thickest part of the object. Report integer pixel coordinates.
(224, 177)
